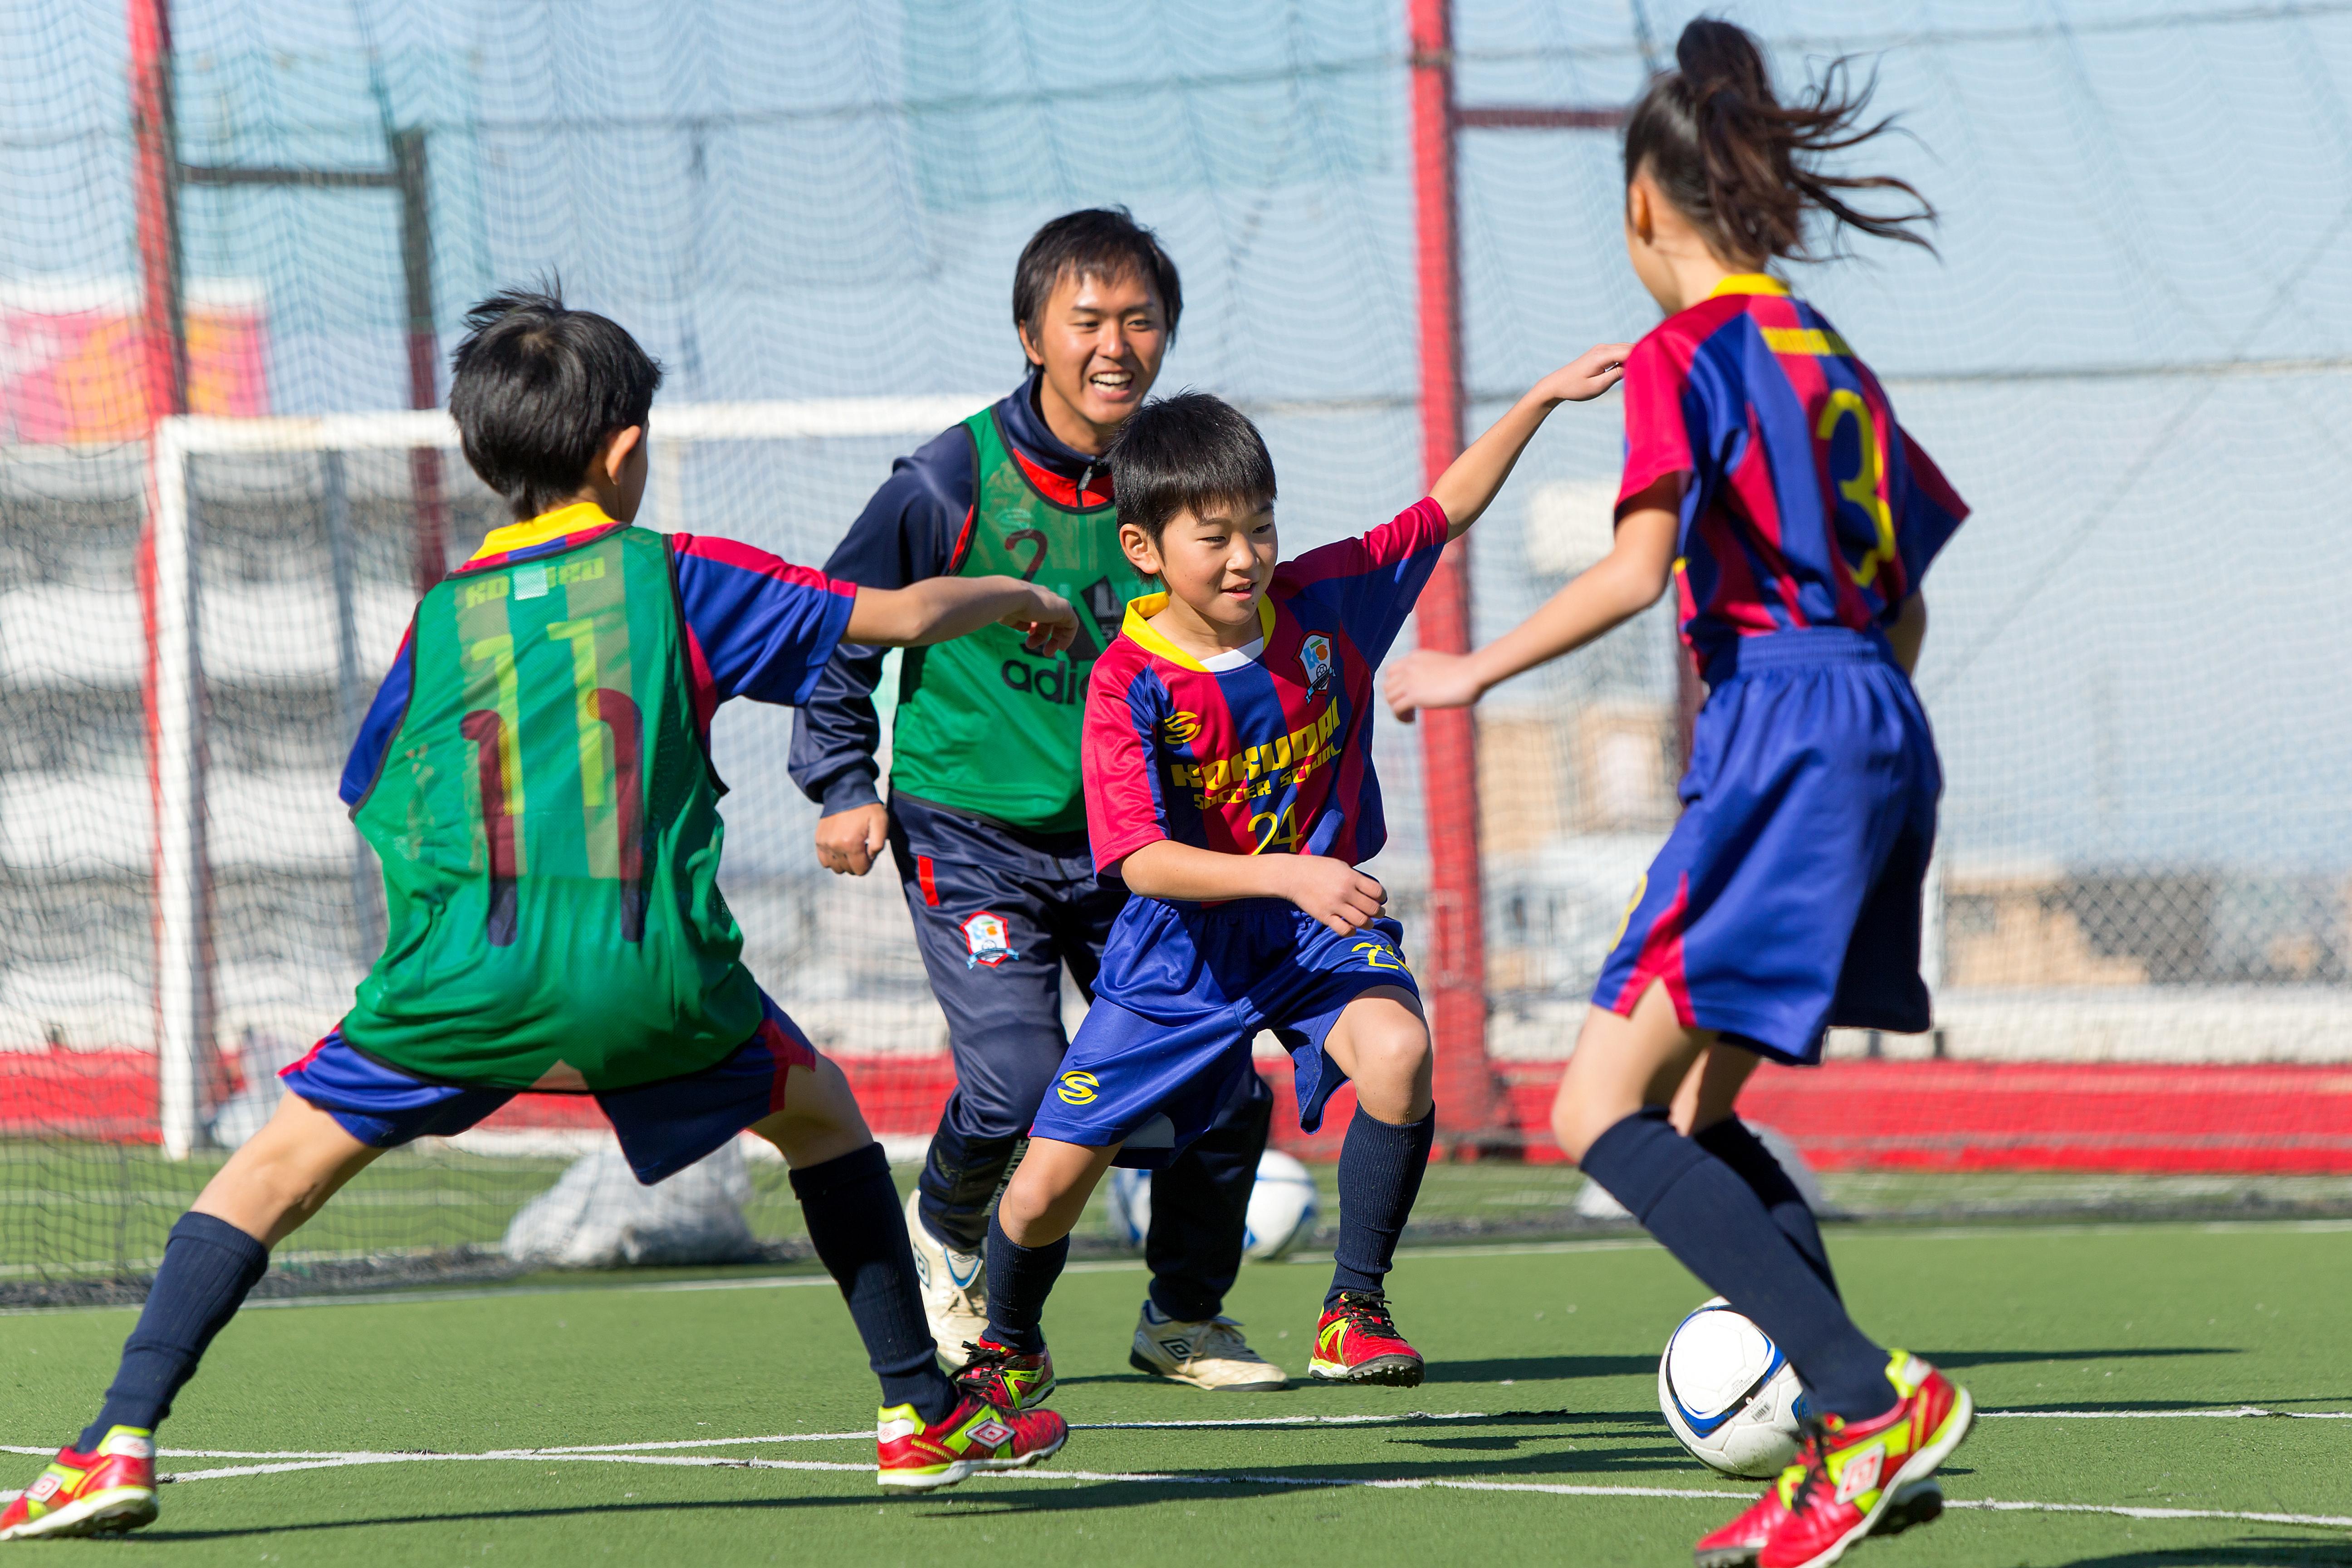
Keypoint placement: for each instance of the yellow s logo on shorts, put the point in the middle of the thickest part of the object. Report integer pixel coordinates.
(1077, 1088)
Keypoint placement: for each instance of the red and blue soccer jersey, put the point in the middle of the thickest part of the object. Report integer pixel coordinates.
(1265, 755)
(1805, 502)
(756, 625)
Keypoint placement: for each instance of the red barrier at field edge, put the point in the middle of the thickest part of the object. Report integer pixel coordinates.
(1846, 1116)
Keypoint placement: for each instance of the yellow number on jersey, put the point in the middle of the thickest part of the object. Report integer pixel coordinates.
(1861, 487)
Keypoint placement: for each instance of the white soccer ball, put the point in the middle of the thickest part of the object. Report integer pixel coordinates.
(1130, 1207)
(1729, 1394)
(1282, 1207)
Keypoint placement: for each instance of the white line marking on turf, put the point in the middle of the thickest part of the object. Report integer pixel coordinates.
(1161, 1478)
(2320, 1521)
(2231, 1413)
(283, 1463)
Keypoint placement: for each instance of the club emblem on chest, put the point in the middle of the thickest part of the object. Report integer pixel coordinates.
(1315, 657)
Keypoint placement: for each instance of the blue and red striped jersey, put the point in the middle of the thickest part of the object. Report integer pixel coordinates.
(1268, 752)
(1804, 503)
(756, 625)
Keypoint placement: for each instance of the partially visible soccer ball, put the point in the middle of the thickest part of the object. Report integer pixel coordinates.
(1282, 1207)
(1130, 1207)
(1729, 1394)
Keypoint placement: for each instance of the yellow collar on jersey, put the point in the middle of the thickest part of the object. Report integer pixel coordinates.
(1749, 283)
(578, 518)
(1138, 626)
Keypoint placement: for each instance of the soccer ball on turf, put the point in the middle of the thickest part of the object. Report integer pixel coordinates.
(1282, 1207)
(1729, 1394)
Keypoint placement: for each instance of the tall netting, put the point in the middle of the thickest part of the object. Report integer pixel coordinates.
(2129, 357)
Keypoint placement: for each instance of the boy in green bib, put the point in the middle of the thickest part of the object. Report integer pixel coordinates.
(534, 775)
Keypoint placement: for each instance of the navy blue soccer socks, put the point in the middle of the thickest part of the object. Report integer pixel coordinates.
(1019, 1279)
(852, 1210)
(1710, 1220)
(1380, 1166)
(1732, 1142)
(208, 1267)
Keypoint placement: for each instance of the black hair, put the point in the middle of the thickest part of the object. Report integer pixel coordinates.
(1096, 242)
(535, 387)
(1741, 164)
(1184, 454)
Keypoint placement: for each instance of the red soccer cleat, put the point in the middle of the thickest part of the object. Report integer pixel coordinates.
(1851, 1473)
(1740, 1542)
(1357, 1342)
(1006, 1377)
(974, 1437)
(104, 1492)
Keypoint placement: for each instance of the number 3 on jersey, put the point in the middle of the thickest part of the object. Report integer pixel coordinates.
(1861, 487)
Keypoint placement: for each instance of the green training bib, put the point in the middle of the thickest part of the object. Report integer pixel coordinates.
(983, 725)
(549, 828)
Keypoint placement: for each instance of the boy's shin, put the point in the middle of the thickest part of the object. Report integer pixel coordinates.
(851, 1207)
(1380, 1167)
(209, 1265)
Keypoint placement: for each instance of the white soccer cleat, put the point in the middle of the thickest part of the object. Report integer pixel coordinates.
(1210, 1354)
(954, 1287)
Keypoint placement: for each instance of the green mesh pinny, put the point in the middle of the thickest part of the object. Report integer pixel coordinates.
(547, 822)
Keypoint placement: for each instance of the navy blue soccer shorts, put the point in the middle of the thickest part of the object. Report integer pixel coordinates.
(664, 1126)
(1787, 899)
(1184, 990)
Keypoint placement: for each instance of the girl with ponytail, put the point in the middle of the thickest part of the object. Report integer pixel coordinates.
(1766, 478)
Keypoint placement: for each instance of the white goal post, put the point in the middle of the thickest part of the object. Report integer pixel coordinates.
(184, 1024)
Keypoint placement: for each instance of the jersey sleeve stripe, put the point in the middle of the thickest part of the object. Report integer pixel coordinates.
(749, 558)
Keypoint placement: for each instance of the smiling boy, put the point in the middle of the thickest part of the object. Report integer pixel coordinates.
(1229, 783)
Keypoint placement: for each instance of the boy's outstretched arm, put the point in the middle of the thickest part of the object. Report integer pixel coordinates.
(1627, 581)
(1332, 890)
(1467, 488)
(939, 609)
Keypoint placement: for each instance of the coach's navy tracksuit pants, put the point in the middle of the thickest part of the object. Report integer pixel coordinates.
(998, 912)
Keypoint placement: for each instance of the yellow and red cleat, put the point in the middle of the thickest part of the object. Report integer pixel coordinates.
(1358, 1341)
(1004, 1378)
(974, 1437)
(1853, 1478)
(1740, 1542)
(103, 1492)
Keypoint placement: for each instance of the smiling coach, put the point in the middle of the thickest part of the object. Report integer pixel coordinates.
(986, 823)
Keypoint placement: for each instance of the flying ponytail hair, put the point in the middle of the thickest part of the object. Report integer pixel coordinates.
(1741, 166)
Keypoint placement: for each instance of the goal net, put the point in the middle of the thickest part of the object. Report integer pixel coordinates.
(2141, 920)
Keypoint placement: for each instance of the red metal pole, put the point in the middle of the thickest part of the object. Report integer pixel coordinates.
(162, 391)
(1455, 974)
(162, 335)
(431, 561)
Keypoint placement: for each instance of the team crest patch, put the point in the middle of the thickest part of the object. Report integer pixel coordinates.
(989, 939)
(1078, 1087)
(1315, 654)
(1180, 728)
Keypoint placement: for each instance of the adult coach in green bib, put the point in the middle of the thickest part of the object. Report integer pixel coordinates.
(986, 823)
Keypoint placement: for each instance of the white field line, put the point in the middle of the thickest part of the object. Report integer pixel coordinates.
(2228, 1413)
(1160, 1478)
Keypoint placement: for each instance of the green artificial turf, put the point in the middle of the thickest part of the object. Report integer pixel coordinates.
(1551, 1353)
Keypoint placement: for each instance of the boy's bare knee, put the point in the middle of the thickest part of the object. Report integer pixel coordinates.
(820, 1120)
